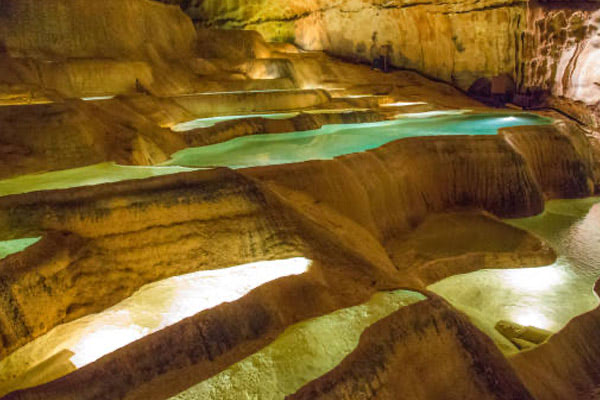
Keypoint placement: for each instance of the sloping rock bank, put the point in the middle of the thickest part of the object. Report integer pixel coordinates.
(389, 362)
(348, 215)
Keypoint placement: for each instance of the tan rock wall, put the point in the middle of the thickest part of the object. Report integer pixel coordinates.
(129, 29)
(546, 47)
(562, 56)
(457, 42)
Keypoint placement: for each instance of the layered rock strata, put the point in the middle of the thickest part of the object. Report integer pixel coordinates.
(111, 227)
(546, 48)
(561, 56)
(451, 41)
(386, 364)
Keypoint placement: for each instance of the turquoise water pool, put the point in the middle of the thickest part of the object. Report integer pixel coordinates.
(328, 142)
(335, 140)
(545, 297)
(8, 247)
(85, 176)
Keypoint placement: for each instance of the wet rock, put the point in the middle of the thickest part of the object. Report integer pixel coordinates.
(394, 358)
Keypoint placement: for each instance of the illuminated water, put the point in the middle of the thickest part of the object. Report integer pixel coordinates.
(208, 122)
(304, 352)
(269, 149)
(547, 297)
(85, 176)
(9, 247)
(152, 308)
(335, 140)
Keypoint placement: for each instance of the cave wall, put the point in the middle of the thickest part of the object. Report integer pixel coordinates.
(562, 56)
(549, 48)
(448, 41)
(127, 29)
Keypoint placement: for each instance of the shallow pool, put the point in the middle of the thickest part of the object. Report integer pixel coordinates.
(304, 352)
(85, 176)
(155, 306)
(9, 247)
(546, 297)
(328, 142)
(212, 121)
(335, 140)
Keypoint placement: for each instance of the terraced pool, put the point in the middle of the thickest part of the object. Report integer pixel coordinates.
(336, 140)
(270, 149)
(546, 297)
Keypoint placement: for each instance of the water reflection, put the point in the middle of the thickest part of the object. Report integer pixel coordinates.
(86, 176)
(335, 140)
(269, 149)
(304, 352)
(212, 121)
(152, 308)
(547, 297)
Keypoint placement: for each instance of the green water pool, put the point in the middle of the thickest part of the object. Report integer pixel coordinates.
(249, 151)
(9, 247)
(335, 140)
(304, 352)
(546, 297)
(86, 176)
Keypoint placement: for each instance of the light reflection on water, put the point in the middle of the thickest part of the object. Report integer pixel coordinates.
(304, 352)
(212, 121)
(270, 149)
(152, 308)
(547, 297)
(335, 140)
(85, 176)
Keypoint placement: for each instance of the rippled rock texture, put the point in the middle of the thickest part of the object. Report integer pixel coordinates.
(456, 41)
(546, 48)
(77, 89)
(120, 236)
(464, 360)
(562, 57)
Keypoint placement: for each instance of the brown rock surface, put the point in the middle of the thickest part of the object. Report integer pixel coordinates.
(406, 214)
(544, 46)
(561, 56)
(395, 357)
(74, 133)
(336, 200)
(128, 29)
(559, 156)
(440, 39)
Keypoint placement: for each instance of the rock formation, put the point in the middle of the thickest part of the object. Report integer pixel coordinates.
(561, 56)
(129, 83)
(454, 41)
(386, 366)
(545, 47)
